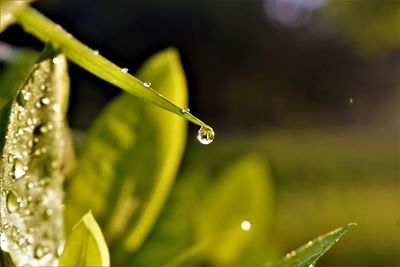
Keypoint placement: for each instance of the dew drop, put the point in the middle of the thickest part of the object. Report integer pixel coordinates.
(245, 225)
(10, 158)
(311, 265)
(351, 101)
(19, 169)
(42, 87)
(147, 84)
(205, 135)
(40, 251)
(13, 202)
(96, 52)
(125, 70)
(185, 110)
(29, 185)
(23, 97)
(56, 60)
(45, 101)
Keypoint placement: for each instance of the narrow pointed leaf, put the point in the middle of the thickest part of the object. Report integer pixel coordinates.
(308, 254)
(31, 180)
(85, 245)
(47, 31)
(130, 158)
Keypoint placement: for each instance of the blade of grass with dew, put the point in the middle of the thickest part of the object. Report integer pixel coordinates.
(308, 254)
(85, 245)
(44, 29)
(7, 9)
(130, 158)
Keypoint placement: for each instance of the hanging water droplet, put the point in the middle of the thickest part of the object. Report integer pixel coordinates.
(56, 60)
(125, 70)
(147, 84)
(45, 100)
(19, 169)
(23, 97)
(185, 110)
(311, 265)
(245, 225)
(205, 135)
(13, 202)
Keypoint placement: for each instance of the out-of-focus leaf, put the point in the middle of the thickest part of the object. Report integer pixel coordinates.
(19, 63)
(31, 179)
(85, 245)
(308, 254)
(5, 259)
(7, 9)
(235, 210)
(130, 158)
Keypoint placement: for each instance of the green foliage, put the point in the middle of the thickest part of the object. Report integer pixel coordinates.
(31, 178)
(131, 156)
(85, 246)
(126, 170)
(308, 254)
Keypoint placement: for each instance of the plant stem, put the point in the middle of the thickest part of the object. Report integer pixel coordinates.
(46, 30)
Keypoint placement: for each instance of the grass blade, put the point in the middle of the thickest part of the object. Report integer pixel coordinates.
(35, 23)
(308, 254)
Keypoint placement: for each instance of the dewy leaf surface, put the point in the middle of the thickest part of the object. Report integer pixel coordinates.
(308, 254)
(31, 182)
(85, 245)
(130, 158)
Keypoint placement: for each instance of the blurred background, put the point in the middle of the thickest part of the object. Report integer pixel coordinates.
(311, 85)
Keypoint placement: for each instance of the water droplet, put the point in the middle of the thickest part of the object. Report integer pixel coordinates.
(10, 158)
(56, 60)
(351, 101)
(29, 185)
(40, 251)
(245, 225)
(185, 110)
(205, 135)
(311, 265)
(19, 169)
(96, 52)
(45, 101)
(12, 202)
(125, 70)
(42, 87)
(147, 84)
(23, 97)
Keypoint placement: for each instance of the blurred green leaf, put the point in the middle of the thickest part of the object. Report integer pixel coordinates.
(130, 158)
(85, 245)
(235, 210)
(5, 259)
(31, 179)
(16, 70)
(7, 9)
(308, 254)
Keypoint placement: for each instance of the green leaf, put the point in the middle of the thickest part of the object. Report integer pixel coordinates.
(235, 210)
(130, 158)
(44, 29)
(308, 254)
(5, 259)
(85, 245)
(7, 10)
(18, 67)
(30, 166)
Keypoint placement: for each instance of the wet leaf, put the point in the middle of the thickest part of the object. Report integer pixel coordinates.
(308, 254)
(130, 158)
(85, 245)
(235, 210)
(31, 179)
